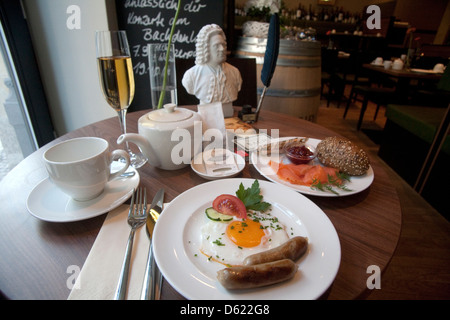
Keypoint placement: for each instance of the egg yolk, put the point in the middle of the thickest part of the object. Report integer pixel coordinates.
(247, 233)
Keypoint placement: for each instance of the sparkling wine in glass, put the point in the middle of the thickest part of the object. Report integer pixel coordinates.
(116, 79)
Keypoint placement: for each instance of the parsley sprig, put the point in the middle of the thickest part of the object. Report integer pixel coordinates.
(252, 198)
(338, 182)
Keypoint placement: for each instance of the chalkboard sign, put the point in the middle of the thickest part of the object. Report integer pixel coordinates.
(150, 21)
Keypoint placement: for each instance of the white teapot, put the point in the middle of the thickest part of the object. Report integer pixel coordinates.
(397, 64)
(168, 137)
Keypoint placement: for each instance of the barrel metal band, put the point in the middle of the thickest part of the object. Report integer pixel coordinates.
(309, 63)
(287, 47)
(290, 93)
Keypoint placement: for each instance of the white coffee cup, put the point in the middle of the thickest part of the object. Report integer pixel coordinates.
(81, 167)
(387, 64)
(438, 67)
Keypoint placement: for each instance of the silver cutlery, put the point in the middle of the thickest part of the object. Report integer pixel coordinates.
(136, 219)
(148, 289)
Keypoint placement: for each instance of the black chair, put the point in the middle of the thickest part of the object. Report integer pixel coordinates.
(247, 68)
(329, 75)
(379, 90)
(437, 94)
(431, 96)
(249, 90)
(352, 72)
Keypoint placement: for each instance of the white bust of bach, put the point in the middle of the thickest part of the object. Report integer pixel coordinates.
(212, 79)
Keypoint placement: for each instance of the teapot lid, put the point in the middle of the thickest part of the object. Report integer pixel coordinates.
(170, 114)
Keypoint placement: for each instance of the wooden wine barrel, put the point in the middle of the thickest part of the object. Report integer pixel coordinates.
(295, 85)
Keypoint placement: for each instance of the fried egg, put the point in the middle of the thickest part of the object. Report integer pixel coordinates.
(231, 242)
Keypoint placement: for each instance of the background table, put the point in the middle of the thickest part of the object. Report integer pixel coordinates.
(404, 77)
(36, 254)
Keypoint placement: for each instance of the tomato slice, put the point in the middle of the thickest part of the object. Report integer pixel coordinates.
(230, 205)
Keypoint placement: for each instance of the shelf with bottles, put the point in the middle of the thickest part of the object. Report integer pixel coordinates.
(318, 14)
(321, 27)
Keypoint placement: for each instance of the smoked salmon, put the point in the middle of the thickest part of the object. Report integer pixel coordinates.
(304, 174)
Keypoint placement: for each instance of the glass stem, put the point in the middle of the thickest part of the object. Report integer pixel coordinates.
(123, 124)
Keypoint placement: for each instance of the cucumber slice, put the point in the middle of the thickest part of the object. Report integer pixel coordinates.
(217, 216)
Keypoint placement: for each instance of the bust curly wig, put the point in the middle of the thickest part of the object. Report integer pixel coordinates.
(201, 45)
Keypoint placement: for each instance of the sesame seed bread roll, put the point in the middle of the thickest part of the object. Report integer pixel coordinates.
(342, 154)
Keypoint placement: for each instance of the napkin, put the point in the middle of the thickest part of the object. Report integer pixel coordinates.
(100, 273)
(212, 116)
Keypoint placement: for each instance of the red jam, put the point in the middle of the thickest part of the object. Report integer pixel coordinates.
(299, 154)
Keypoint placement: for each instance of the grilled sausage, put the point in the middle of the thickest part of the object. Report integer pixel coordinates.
(245, 277)
(292, 249)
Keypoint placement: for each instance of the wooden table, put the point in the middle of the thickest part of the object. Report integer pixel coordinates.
(35, 255)
(404, 77)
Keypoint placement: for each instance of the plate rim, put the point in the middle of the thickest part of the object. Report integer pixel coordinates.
(178, 252)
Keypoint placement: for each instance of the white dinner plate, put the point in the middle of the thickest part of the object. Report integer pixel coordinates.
(47, 202)
(355, 185)
(177, 239)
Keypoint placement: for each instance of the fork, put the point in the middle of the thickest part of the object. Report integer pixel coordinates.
(136, 219)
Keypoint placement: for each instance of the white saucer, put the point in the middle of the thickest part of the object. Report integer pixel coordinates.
(224, 169)
(46, 202)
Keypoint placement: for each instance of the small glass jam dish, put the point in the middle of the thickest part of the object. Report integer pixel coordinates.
(299, 153)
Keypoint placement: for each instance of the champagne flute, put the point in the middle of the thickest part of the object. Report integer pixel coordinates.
(116, 79)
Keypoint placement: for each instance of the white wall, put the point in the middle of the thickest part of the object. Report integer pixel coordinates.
(67, 60)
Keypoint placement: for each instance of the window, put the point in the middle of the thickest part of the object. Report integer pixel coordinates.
(24, 117)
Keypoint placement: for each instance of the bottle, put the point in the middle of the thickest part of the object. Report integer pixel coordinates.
(298, 14)
(308, 15)
(341, 15)
(314, 16)
(326, 15)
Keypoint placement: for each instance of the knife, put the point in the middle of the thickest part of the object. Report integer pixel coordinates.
(148, 289)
